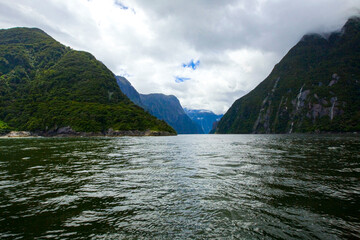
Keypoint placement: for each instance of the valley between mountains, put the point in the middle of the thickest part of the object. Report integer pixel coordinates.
(49, 89)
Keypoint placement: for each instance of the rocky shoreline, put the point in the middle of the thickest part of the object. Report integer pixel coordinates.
(68, 132)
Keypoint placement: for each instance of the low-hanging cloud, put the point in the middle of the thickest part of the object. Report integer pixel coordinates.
(237, 41)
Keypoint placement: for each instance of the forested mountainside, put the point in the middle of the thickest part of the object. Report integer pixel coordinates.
(45, 86)
(314, 88)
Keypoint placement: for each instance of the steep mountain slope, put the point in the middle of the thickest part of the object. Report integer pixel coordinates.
(45, 86)
(164, 107)
(204, 118)
(314, 88)
(129, 90)
(168, 108)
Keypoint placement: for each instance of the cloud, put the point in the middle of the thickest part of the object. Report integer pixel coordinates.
(238, 41)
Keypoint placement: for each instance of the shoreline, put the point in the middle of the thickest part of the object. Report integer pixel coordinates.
(134, 133)
(110, 133)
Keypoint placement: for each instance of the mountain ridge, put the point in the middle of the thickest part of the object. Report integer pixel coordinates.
(46, 86)
(164, 107)
(204, 118)
(314, 88)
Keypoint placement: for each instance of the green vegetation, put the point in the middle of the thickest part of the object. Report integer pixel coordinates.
(4, 128)
(45, 85)
(311, 65)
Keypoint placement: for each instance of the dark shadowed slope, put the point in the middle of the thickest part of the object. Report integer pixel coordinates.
(168, 108)
(164, 107)
(129, 90)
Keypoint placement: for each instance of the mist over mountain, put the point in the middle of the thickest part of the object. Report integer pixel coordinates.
(204, 118)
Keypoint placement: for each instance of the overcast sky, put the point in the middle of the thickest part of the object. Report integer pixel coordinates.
(208, 53)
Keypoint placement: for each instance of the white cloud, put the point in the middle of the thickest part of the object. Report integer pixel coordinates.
(237, 41)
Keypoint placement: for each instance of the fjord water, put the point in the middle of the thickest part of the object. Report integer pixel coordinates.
(183, 187)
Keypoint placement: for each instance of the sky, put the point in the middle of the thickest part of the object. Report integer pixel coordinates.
(208, 53)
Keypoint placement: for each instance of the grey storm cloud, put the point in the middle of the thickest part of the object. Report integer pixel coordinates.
(237, 42)
(215, 25)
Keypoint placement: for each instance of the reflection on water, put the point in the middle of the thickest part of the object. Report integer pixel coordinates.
(184, 187)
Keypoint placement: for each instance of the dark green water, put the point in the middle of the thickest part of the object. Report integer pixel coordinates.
(184, 187)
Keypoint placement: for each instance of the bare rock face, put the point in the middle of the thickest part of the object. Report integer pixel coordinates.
(69, 132)
(335, 79)
(65, 130)
(18, 134)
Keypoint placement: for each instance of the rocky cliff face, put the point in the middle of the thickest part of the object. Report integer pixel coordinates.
(314, 88)
(164, 107)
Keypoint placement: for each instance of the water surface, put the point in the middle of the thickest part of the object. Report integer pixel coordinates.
(183, 187)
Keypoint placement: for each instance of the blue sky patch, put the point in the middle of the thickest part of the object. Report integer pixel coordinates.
(191, 64)
(122, 6)
(181, 79)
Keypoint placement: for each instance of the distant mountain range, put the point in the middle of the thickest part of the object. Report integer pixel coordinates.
(314, 88)
(164, 107)
(204, 118)
(49, 88)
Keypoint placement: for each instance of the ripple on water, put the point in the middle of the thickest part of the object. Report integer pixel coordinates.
(184, 187)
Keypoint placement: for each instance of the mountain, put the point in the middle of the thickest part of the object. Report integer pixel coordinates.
(168, 108)
(129, 90)
(164, 107)
(314, 88)
(45, 86)
(204, 118)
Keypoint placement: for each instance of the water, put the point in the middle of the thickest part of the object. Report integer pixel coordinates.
(183, 187)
